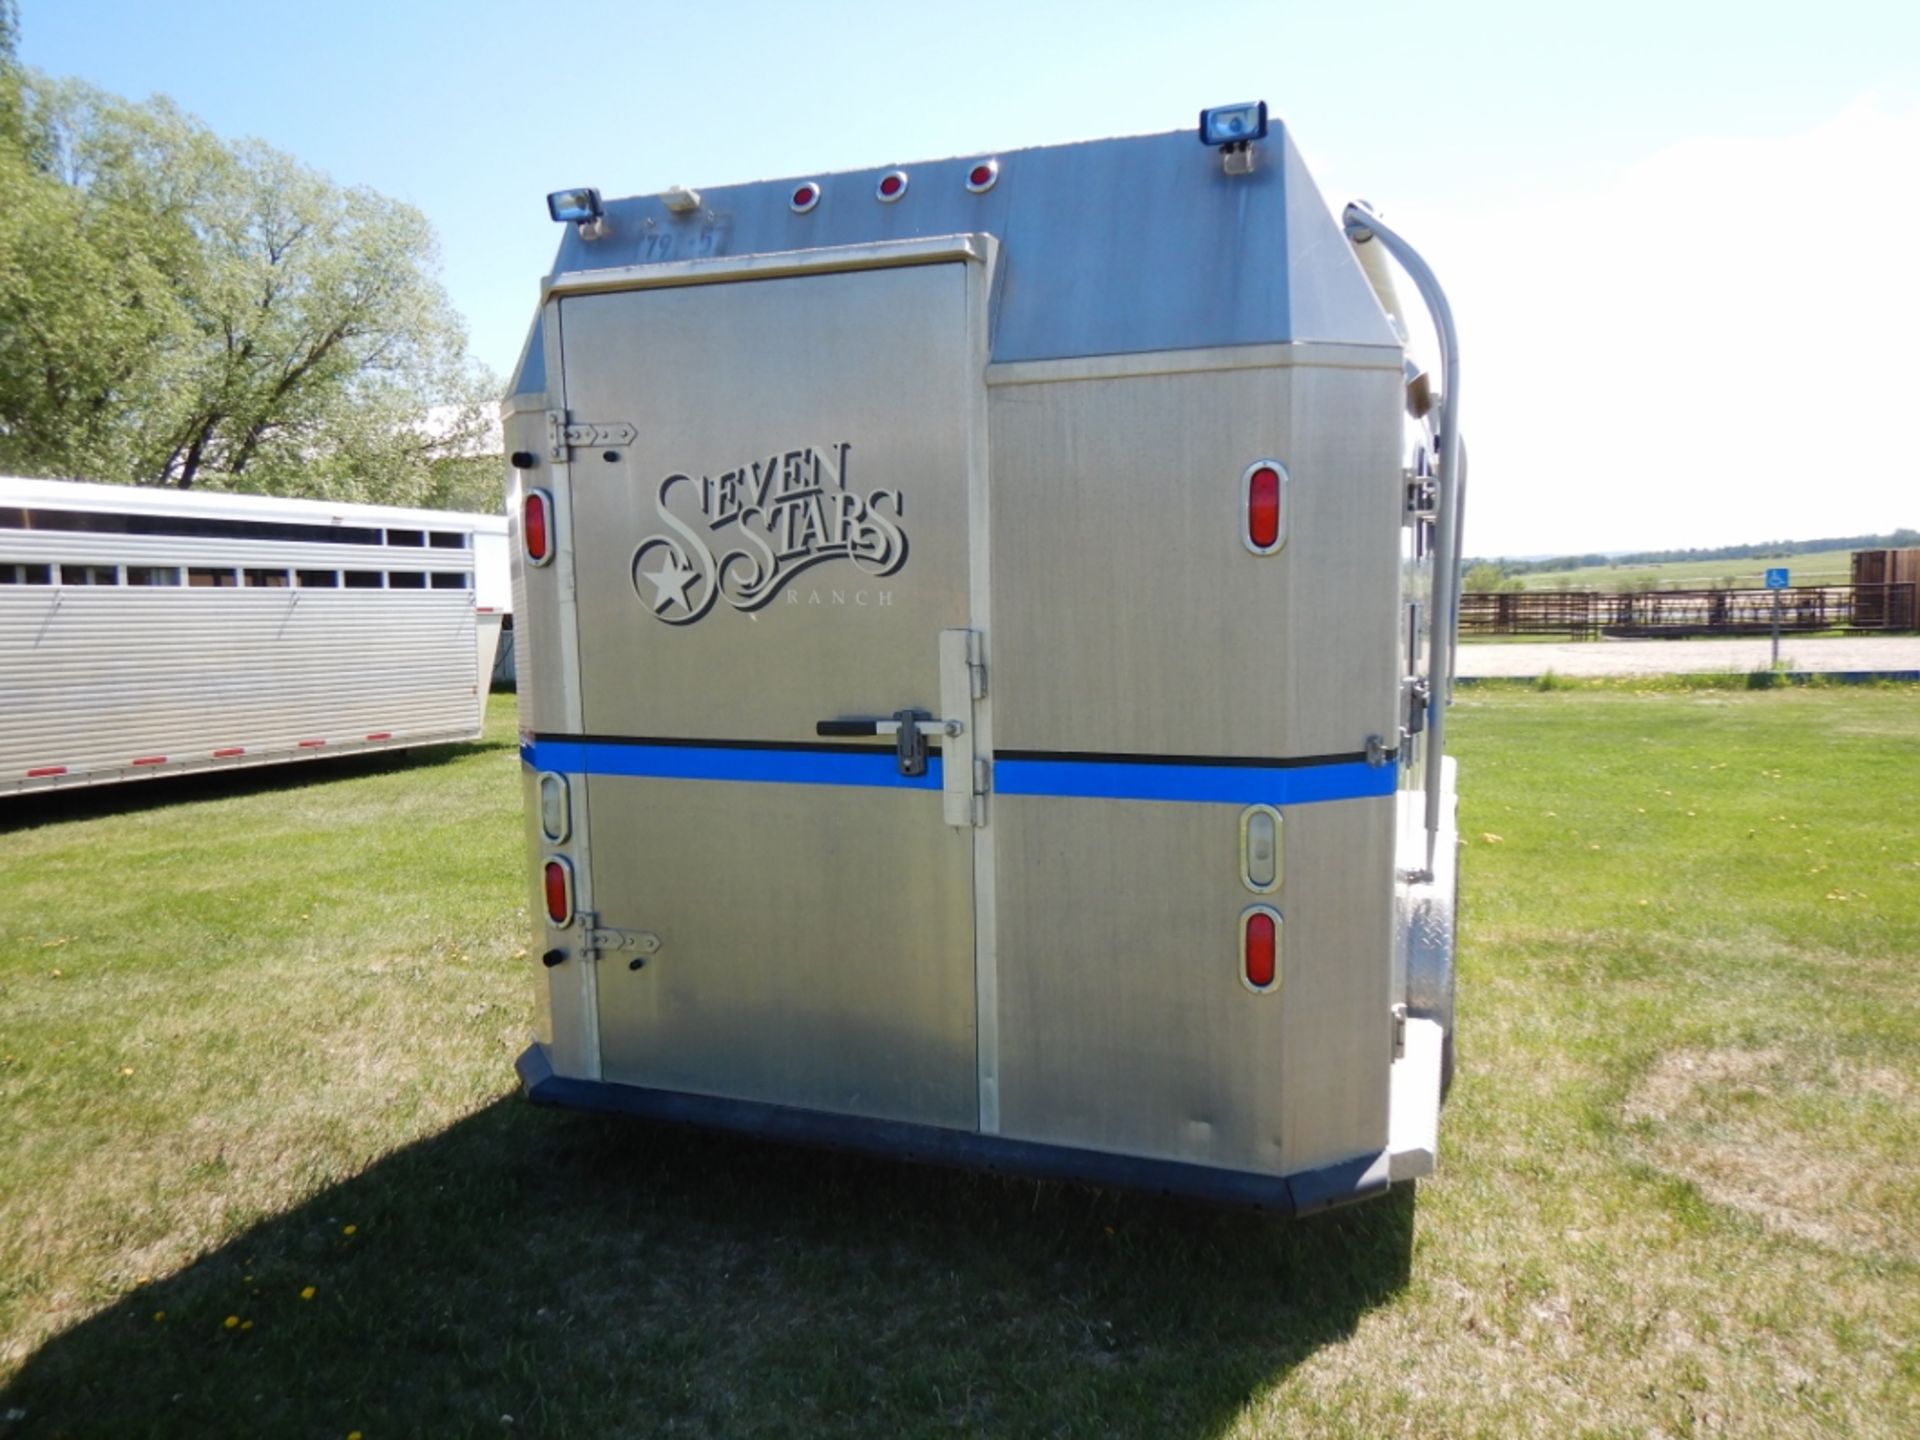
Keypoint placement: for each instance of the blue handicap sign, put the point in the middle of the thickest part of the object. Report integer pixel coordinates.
(1777, 579)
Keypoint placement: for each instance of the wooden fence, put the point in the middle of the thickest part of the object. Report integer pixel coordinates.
(1589, 614)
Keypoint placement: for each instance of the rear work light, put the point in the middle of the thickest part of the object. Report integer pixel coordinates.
(1260, 949)
(557, 880)
(536, 526)
(1263, 506)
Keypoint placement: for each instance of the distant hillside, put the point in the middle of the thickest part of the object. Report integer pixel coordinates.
(1763, 550)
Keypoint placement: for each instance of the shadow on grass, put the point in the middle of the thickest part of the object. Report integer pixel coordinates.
(593, 1277)
(51, 807)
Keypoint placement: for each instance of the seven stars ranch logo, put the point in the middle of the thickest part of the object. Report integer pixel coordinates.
(738, 536)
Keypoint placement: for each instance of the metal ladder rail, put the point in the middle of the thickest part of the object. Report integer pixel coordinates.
(1362, 227)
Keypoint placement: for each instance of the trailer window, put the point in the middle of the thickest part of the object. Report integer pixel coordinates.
(317, 579)
(207, 577)
(447, 540)
(89, 574)
(12, 574)
(153, 574)
(269, 579)
(406, 580)
(199, 526)
(362, 579)
(406, 537)
(450, 580)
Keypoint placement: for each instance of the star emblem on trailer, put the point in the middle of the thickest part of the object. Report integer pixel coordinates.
(670, 583)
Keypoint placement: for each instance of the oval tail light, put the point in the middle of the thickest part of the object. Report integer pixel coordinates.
(1263, 496)
(536, 526)
(557, 881)
(1260, 949)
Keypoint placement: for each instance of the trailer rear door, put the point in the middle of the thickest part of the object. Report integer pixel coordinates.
(769, 490)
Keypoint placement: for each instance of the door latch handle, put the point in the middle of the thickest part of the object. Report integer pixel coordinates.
(909, 728)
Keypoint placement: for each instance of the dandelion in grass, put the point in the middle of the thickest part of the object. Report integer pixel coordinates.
(158, 1316)
(232, 1322)
(246, 1324)
(307, 1293)
(348, 1229)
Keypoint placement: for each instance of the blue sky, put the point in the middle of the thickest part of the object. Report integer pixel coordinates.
(1681, 325)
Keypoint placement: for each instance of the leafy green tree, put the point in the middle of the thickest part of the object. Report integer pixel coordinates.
(176, 309)
(1483, 577)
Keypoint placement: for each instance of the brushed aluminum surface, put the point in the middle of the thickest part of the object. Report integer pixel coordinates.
(1145, 625)
(816, 945)
(1115, 246)
(1124, 1022)
(817, 941)
(717, 379)
(92, 678)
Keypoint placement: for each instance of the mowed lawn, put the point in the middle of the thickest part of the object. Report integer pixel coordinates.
(1816, 567)
(263, 1172)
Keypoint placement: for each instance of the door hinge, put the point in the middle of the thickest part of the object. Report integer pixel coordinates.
(1399, 1014)
(977, 664)
(564, 433)
(597, 939)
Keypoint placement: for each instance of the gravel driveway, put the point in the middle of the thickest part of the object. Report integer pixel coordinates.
(1668, 657)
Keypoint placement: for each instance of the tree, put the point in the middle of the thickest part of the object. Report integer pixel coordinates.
(179, 310)
(1483, 577)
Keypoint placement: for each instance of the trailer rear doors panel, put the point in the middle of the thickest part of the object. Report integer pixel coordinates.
(769, 508)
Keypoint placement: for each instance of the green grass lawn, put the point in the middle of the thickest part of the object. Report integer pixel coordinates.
(262, 1170)
(1817, 567)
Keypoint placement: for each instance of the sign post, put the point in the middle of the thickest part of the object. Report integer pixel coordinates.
(1776, 582)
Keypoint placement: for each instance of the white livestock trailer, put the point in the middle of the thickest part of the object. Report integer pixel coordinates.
(146, 632)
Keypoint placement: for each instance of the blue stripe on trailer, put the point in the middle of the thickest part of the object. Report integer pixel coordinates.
(1196, 784)
(1204, 784)
(873, 768)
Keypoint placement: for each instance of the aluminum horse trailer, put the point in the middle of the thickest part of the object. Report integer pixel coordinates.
(984, 631)
(148, 632)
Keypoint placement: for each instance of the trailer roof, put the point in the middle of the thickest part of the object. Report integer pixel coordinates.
(153, 500)
(1116, 246)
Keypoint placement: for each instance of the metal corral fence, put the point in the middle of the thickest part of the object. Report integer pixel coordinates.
(1588, 614)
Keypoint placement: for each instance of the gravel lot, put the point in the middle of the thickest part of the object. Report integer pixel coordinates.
(1669, 657)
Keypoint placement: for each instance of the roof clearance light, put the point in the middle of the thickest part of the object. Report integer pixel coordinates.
(892, 186)
(536, 526)
(1263, 490)
(574, 207)
(1234, 124)
(982, 176)
(805, 196)
(557, 882)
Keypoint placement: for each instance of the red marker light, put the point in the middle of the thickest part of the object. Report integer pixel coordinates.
(892, 185)
(804, 198)
(1263, 488)
(1262, 949)
(559, 890)
(536, 526)
(981, 177)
